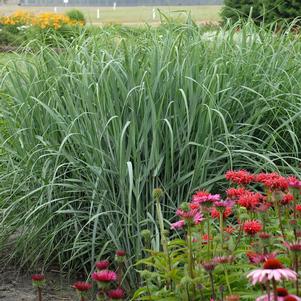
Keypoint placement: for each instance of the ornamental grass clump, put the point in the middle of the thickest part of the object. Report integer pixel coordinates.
(90, 131)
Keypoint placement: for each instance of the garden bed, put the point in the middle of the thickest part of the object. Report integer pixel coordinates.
(16, 285)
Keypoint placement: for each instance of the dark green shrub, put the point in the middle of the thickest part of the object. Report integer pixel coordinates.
(76, 15)
(259, 10)
(242, 9)
(287, 10)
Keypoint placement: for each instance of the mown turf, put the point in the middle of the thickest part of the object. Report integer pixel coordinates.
(141, 14)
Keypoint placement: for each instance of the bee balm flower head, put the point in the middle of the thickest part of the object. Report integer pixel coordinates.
(116, 294)
(81, 288)
(38, 280)
(102, 265)
(104, 278)
(252, 227)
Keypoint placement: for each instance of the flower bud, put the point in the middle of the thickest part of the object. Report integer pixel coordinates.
(146, 234)
(158, 193)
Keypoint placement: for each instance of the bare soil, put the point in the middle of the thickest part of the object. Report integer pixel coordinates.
(17, 286)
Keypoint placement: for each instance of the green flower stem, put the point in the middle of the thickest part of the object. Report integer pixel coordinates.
(227, 280)
(268, 290)
(163, 237)
(39, 293)
(148, 290)
(212, 285)
(208, 233)
(275, 290)
(190, 253)
(297, 271)
(221, 223)
(190, 259)
(295, 211)
(276, 202)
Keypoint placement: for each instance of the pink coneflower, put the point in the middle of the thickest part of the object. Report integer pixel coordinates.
(104, 277)
(279, 298)
(222, 205)
(294, 182)
(204, 198)
(102, 265)
(177, 225)
(191, 216)
(257, 258)
(282, 293)
(252, 227)
(223, 259)
(295, 247)
(274, 270)
(291, 298)
(240, 177)
(116, 294)
(209, 266)
(82, 286)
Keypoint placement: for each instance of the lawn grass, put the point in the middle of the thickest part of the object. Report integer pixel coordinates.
(132, 15)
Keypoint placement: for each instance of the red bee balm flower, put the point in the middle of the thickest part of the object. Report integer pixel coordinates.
(102, 265)
(38, 280)
(234, 193)
(287, 198)
(252, 227)
(38, 277)
(116, 294)
(120, 256)
(240, 177)
(104, 278)
(249, 200)
(120, 253)
(82, 286)
(216, 214)
(273, 181)
(298, 208)
(264, 235)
